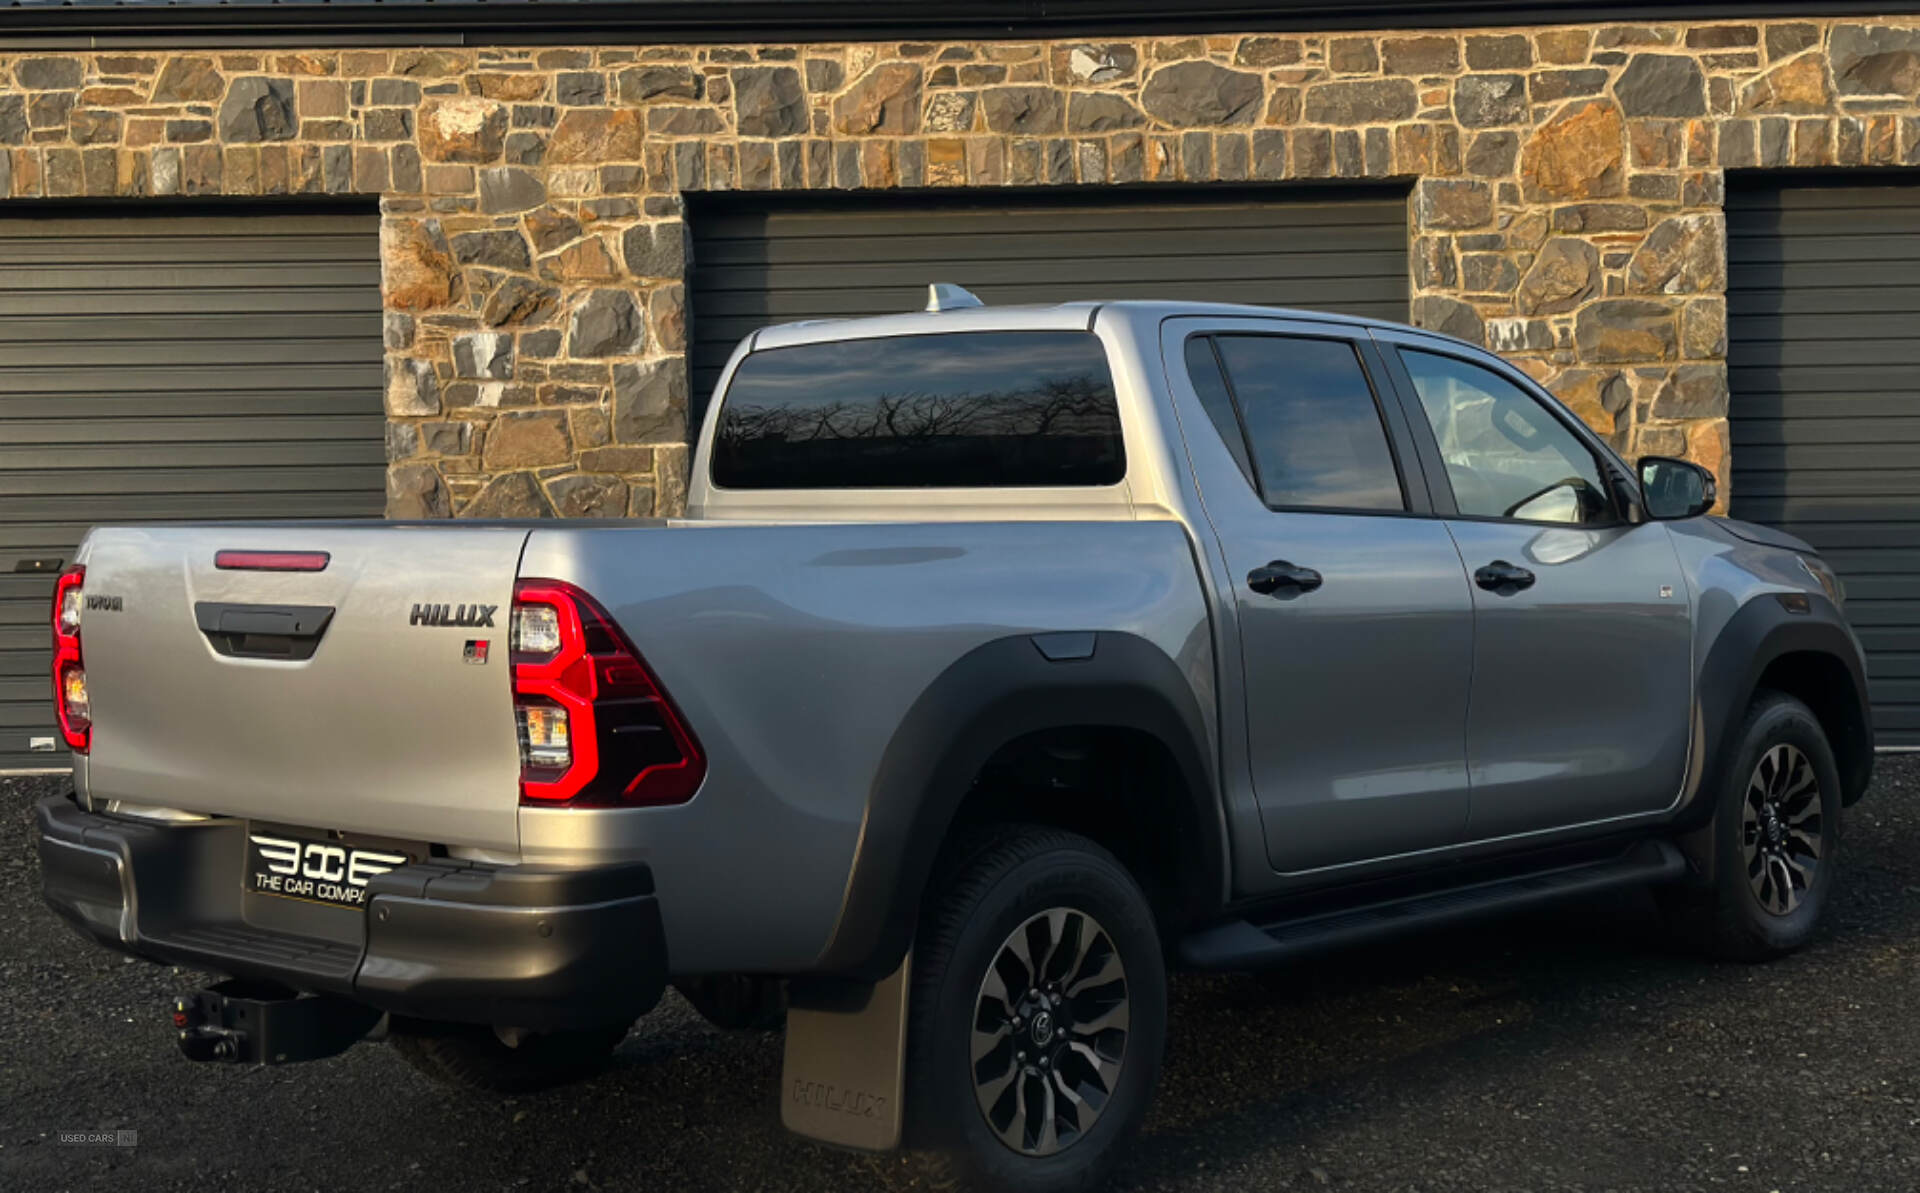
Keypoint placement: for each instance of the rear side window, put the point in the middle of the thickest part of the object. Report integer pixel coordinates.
(953, 410)
(1203, 368)
(1312, 423)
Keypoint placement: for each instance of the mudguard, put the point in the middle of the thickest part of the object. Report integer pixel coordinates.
(1765, 630)
(994, 694)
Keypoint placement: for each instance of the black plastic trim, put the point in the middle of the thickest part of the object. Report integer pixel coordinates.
(1066, 647)
(994, 694)
(523, 946)
(1762, 632)
(1239, 944)
(288, 632)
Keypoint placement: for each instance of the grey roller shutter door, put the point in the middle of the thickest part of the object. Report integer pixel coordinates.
(1823, 310)
(757, 262)
(172, 366)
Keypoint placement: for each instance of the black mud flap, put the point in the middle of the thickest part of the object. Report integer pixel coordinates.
(260, 1023)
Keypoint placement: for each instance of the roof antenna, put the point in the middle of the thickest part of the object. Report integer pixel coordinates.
(945, 296)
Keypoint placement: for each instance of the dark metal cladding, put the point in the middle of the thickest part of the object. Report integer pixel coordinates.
(1822, 295)
(279, 418)
(1336, 250)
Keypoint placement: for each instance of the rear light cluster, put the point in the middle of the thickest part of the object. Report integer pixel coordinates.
(595, 727)
(69, 672)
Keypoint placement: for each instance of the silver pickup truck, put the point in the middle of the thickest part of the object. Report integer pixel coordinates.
(1006, 658)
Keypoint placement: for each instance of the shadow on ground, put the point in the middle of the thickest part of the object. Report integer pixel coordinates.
(1566, 1050)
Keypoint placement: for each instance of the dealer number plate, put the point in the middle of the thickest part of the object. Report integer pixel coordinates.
(330, 872)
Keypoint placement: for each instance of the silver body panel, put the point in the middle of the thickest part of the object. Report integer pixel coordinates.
(1353, 697)
(1582, 684)
(1354, 703)
(384, 730)
(1350, 731)
(793, 652)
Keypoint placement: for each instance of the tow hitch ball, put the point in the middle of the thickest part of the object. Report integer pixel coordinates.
(260, 1023)
(198, 1039)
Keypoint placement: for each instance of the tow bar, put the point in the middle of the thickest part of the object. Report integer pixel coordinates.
(261, 1023)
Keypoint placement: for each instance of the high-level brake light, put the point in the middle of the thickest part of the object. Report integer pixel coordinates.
(271, 561)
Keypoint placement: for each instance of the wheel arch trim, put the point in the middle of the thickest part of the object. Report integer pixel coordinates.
(996, 693)
(1760, 634)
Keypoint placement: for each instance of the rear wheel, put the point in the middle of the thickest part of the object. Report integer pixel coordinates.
(503, 1061)
(1038, 1013)
(1775, 838)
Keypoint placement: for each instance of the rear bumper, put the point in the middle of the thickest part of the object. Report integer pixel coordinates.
(523, 946)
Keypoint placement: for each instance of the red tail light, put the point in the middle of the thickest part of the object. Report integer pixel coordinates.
(595, 727)
(69, 673)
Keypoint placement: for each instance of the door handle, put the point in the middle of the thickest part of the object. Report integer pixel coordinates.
(1503, 577)
(1281, 576)
(289, 632)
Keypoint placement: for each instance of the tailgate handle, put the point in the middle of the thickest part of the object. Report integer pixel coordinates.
(287, 632)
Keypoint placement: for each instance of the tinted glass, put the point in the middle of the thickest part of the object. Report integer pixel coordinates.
(1204, 369)
(1507, 455)
(958, 410)
(1312, 423)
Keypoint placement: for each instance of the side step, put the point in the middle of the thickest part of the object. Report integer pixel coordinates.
(1239, 944)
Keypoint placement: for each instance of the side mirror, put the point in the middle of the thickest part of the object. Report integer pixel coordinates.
(1671, 488)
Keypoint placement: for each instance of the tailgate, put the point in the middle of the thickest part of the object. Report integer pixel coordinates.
(201, 700)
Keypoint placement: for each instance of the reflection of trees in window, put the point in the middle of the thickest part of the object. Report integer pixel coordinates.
(1506, 455)
(1058, 431)
(1079, 404)
(1463, 421)
(955, 410)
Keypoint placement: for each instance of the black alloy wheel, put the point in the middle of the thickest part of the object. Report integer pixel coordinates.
(1050, 1031)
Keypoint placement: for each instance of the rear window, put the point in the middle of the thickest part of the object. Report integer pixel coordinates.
(956, 410)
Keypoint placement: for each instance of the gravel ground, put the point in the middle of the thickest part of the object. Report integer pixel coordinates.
(1571, 1051)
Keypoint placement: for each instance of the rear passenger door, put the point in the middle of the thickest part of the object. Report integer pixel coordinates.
(1354, 619)
(1582, 662)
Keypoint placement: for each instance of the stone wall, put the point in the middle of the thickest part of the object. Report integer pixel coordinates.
(1567, 188)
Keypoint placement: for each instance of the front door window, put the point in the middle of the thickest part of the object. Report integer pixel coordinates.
(1507, 456)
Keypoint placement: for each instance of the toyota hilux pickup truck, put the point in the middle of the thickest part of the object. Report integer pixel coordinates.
(1006, 659)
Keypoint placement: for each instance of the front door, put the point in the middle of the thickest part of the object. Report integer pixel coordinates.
(1582, 659)
(1353, 610)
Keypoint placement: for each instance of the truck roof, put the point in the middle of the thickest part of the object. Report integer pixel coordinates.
(1063, 316)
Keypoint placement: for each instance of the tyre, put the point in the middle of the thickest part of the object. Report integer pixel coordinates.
(1775, 838)
(1037, 1016)
(488, 1060)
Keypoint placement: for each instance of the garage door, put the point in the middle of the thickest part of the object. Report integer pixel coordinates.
(756, 263)
(1823, 312)
(170, 366)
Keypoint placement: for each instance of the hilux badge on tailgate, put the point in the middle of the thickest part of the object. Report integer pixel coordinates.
(452, 615)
